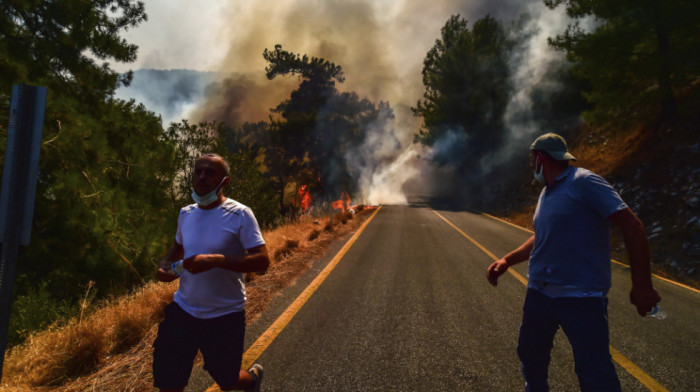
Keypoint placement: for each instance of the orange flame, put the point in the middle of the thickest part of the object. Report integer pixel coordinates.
(343, 203)
(304, 198)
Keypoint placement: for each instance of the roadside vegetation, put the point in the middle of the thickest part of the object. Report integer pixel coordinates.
(107, 347)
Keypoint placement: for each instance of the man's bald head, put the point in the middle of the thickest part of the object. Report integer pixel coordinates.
(220, 162)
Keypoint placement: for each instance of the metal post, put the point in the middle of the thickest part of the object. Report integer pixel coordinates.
(18, 190)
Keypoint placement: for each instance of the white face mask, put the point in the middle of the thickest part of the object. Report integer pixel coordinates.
(210, 197)
(539, 176)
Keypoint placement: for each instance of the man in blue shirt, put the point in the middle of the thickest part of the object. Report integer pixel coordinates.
(569, 268)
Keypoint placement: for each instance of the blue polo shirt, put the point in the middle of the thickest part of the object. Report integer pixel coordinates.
(572, 231)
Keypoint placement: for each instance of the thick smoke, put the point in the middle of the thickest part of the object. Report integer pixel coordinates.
(381, 163)
(530, 67)
(381, 46)
(238, 98)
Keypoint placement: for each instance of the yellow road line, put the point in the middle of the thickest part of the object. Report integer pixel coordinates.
(614, 261)
(478, 245)
(636, 372)
(260, 345)
(625, 363)
(508, 223)
(693, 289)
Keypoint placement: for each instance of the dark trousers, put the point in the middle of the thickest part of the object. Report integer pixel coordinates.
(181, 335)
(585, 323)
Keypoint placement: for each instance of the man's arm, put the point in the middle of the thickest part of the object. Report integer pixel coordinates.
(176, 252)
(498, 268)
(643, 295)
(255, 260)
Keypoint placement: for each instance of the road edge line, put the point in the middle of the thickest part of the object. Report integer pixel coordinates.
(693, 289)
(261, 344)
(519, 277)
(634, 370)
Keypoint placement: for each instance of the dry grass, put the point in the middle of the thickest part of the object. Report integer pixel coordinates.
(109, 349)
(56, 357)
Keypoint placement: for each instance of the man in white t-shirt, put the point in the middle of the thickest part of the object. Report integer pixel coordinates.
(218, 240)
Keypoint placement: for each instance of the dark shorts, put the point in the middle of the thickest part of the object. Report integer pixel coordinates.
(180, 335)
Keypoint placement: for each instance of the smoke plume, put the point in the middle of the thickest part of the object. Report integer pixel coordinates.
(381, 46)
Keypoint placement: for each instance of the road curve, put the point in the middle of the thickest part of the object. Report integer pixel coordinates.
(408, 308)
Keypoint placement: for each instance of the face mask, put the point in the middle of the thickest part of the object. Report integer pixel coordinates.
(209, 197)
(539, 176)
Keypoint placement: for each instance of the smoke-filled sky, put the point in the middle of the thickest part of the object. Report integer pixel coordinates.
(380, 45)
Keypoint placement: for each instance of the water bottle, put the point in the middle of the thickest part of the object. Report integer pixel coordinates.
(657, 313)
(176, 268)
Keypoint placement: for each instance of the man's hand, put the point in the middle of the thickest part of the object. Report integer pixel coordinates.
(499, 267)
(198, 263)
(175, 252)
(496, 269)
(164, 275)
(644, 299)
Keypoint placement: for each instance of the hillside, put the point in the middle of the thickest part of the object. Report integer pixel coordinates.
(656, 169)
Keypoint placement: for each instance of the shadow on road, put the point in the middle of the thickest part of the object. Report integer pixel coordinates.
(441, 202)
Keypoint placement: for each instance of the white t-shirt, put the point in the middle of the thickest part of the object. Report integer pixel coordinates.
(228, 229)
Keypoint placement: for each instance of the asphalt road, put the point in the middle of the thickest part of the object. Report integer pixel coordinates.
(408, 308)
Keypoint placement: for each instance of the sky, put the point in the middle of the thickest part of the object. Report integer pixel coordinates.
(380, 45)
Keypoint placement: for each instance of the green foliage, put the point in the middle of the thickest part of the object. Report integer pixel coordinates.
(637, 55)
(315, 70)
(111, 180)
(299, 112)
(247, 184)
(467, 87)
(99, 213)
(37, 309)
(104, 165)
(56, 41)
(318, 128)
(288, 137)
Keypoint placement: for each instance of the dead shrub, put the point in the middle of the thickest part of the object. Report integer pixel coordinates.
(286, 249)
(83, 351)
(75, 351)
(341, 218)
(127, 331)
(313, 235)
(54, 357)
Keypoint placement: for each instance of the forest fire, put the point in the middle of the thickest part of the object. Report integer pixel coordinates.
(304, 198)
(343, 203)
